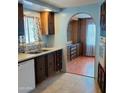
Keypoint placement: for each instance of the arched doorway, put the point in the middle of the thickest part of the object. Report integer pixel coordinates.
(81, 37)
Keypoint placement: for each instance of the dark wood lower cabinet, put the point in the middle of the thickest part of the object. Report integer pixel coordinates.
(47, 65)
(58, 62)
(40, 69)
(50, 64)
(102, 78)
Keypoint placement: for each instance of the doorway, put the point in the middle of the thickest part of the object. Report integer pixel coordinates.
(81, 36)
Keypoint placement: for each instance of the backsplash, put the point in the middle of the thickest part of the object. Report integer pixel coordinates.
(21, 48)
(24, 48)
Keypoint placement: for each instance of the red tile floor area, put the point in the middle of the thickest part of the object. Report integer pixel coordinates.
(82, 66)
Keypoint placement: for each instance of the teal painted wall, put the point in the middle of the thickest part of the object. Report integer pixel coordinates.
(61, 24)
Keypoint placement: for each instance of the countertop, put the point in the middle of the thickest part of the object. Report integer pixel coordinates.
(25, 56)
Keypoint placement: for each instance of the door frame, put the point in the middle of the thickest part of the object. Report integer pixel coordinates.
(95, 64)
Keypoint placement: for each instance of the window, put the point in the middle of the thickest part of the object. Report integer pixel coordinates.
(32, 29)
(91, 34)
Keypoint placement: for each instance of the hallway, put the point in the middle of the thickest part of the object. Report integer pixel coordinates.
(82, 66)
(68, 83)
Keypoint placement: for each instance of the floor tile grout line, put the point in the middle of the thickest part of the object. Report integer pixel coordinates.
(80, 75)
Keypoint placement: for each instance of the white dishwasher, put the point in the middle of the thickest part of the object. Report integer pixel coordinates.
(26, 76)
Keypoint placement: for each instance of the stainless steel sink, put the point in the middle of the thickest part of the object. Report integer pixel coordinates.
(36, 52)
(33, 52)
(45, 50)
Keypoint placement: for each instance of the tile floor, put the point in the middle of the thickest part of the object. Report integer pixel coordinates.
(82, 66)
(68, 83)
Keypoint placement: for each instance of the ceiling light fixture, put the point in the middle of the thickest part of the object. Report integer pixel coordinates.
(47, 9)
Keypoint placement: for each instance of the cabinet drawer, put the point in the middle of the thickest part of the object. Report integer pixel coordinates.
(74, 48)
(73, 52)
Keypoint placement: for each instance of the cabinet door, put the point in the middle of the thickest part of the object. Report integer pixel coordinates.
(51, 64)
(26, 77)
(40, 71)
(44, 22)
(59, 60)
(47, 23)
(51, 29)
(74, 34)
(51, 23)
(68, 53)
(51, 17)
(20, 20)
(103, 20)
(101, 78)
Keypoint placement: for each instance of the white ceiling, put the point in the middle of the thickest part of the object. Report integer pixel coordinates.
(34, 6)
(69, 3)
(37, 5)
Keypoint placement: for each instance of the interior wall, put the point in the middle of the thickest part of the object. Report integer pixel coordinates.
(61, 24)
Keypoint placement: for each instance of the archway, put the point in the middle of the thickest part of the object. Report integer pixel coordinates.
(81, 44)
(63, 18)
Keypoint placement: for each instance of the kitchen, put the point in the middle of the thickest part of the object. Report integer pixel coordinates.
(37, 61)
(41, 60)
(15, 66)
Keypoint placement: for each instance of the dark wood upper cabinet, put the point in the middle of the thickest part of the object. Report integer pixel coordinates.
(20, 20)
(74, 32)
(47, 23)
